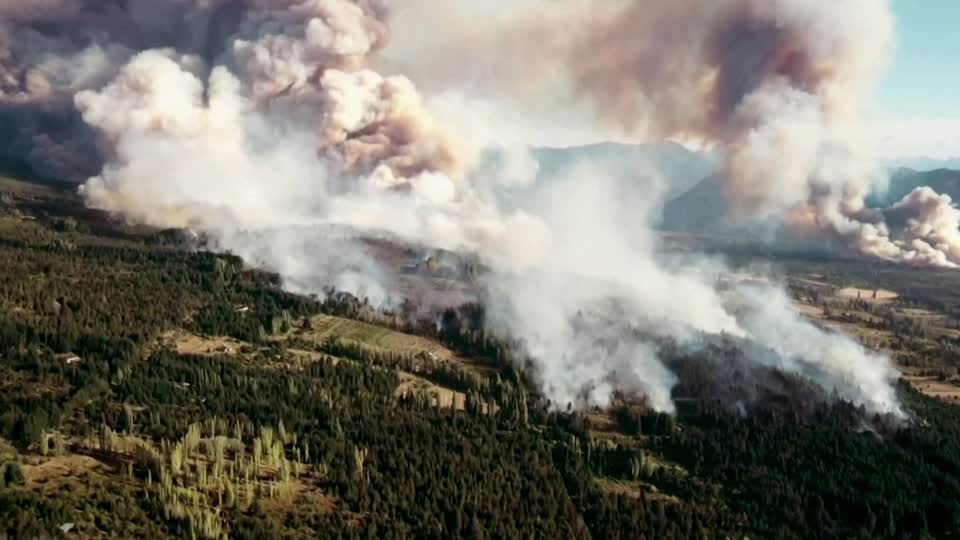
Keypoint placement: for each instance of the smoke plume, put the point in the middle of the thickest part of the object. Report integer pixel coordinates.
(778, 87)
(265, 122)
(604, 264)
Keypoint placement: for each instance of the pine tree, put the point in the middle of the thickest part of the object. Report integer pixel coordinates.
(58, 444)
(128, 415)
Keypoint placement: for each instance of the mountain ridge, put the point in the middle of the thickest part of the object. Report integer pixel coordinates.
(703, 208)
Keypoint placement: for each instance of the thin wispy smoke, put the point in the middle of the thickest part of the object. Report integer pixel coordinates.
(265, 122)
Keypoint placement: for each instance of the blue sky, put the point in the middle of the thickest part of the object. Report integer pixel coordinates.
(924, 80)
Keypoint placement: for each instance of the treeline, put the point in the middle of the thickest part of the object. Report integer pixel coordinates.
(830, 476)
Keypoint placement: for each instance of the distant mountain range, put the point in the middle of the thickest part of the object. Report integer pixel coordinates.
(691, 187)
(678, 168)
(903, 181)
(923, 163)
(639, 174)
(700, 209)
(703, 208)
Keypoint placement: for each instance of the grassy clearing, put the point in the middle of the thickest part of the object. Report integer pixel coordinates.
(444, 397)
(882, 296)
(49, 476)
(635, 489)
(324, 326)
(933, 387)
(189, 343)
(95, 498)
(602, 423)
(21, 189)
(842, 316)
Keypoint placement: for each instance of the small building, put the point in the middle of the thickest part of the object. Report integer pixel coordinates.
(69, 358)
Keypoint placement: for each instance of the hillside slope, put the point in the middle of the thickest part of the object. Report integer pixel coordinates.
(149, 391)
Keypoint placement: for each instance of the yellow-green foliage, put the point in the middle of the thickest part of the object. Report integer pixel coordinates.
(7, 451)
(199, 477)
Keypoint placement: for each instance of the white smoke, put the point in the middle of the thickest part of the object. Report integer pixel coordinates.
(602, 249)
(834, 361)
(348, 147)
(604, 261)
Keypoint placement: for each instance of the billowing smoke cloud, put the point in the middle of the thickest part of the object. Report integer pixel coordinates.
(266, 122)
(604, 266)
(600, 263)
(778, 86)
(285, 123)
(52, 49)
(833, 361)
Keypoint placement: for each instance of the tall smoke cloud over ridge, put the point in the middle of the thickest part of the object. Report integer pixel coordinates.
(777, 86)
(260, 120)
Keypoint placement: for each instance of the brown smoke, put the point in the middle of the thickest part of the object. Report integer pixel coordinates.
(50, 50)
(20, 11)
(776, 85)
(317, 54)
(308, 56)
(768, 81)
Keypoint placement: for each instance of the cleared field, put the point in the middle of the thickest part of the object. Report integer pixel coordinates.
(323, 326)
(21, 189)
(635, 489)
(444, 397)
(64, 472)
(189, 343)
(871, 337)
(934, 387)
(857, 324)
(882, 296)
(602, 423)
(922, 314)
(816, 281)
(808, 310)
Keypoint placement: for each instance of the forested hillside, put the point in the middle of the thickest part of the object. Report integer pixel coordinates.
(703, 208)
(152, 391)
(903, 181)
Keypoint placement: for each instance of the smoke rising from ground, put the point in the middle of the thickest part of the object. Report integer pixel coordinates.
(605, 266)
(266, 121)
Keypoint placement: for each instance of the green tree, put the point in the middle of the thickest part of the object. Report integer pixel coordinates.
(13, 474)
